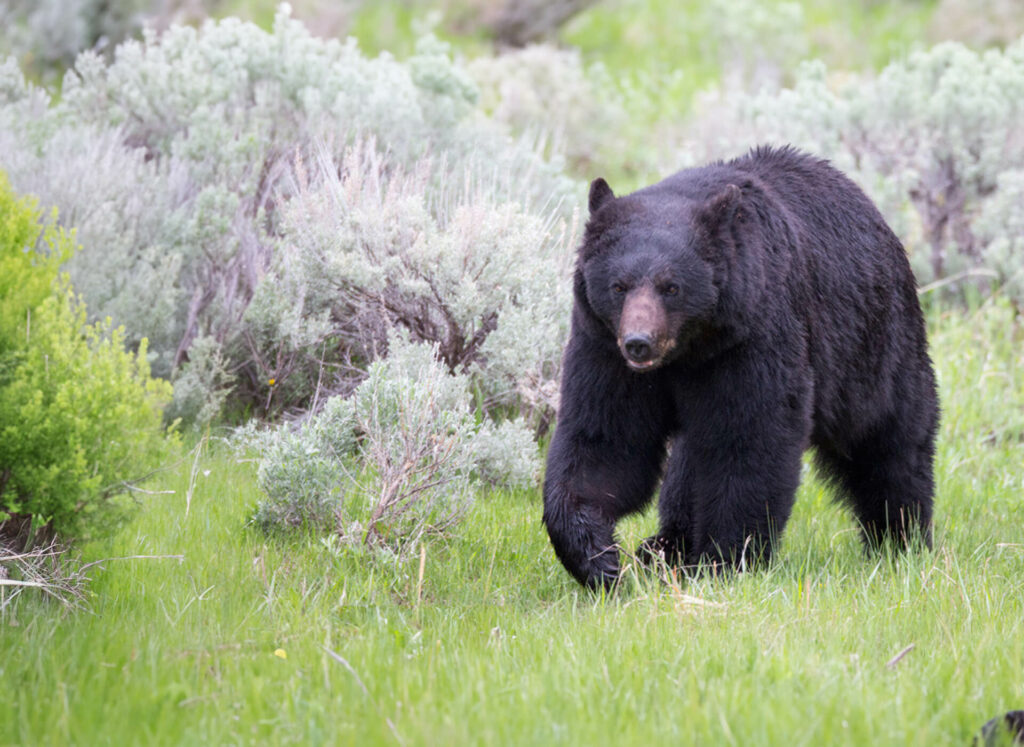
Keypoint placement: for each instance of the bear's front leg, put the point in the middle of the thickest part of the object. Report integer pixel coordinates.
(582, 535)
(586, 491)
(605, 458)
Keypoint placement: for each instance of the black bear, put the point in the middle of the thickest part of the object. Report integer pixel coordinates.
(725, 320)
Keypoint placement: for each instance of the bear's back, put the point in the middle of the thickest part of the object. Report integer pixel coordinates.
(850, 280)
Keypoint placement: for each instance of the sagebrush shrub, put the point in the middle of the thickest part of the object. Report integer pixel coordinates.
(203, 385)
(548, 91)
(754, 43)
(398, 458)
(935, 139)
(363, 251)
(980, 23)
(49, 34)
(176, 156)
(79, 416)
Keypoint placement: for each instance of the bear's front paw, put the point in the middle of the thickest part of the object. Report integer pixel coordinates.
(583, 539)
(657, 550)
(603, 570)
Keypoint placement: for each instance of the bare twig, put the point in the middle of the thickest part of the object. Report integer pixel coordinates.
(50, 570)
(359, 681)
(194, 474)
(344, 662)
(131, 484)
(943, 282)
(12, 582)
(891, 664)
(42, 568)
(100, 562)
(132, 488)
(419, 580)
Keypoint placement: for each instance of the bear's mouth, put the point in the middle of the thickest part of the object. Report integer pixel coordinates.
(644, 352)
(646, 365)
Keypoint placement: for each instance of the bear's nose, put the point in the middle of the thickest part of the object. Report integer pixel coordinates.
(638, 347)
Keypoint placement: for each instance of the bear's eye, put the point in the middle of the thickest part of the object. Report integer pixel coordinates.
(671, 289)
(618, 288)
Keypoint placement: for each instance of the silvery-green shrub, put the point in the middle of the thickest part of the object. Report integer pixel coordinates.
(1000, 228)
(935, 139)
(546, 90)
(176, 161)
(754, 42)
(203, 384)
(49, 34)
(363, 250)
(399, 457)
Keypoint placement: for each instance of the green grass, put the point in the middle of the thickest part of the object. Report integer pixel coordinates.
(496, 645)
(675, 42)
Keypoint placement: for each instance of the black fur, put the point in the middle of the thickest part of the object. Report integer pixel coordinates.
(791, 320)
(1005, 729)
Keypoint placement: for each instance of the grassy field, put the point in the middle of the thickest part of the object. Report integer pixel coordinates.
(484, 639)
(223, 635)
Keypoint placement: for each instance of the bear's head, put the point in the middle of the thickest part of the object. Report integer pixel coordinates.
(653, 268)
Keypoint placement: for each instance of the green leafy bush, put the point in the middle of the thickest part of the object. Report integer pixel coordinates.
(79, 416)
(26, 275)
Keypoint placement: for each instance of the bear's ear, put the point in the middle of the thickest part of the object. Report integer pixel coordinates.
(721, 209)
(600, 193)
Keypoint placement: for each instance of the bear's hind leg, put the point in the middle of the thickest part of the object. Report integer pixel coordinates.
(887, 480)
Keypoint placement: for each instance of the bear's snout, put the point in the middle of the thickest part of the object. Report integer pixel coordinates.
(643, 334)
(638, 347)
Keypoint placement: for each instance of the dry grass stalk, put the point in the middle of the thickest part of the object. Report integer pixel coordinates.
(45, 567)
